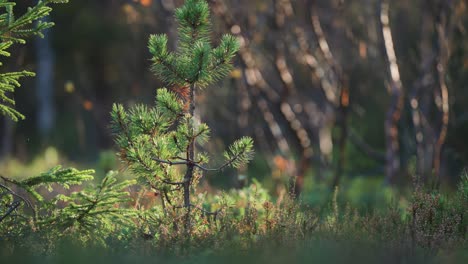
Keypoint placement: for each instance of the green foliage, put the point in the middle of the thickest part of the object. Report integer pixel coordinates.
(195, 62)
(241, 201)
(89, 215)
(57, 175)
(93, 213)
(240, 152)
(246, 219)
(15, 31)
(157, 142)
(52, 178)
(158, 145)
(436, 219)
(14, 204)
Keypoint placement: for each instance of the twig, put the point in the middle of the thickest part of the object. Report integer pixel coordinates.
(195, 164)
(175, 183)
(10, 210)
(28, 203)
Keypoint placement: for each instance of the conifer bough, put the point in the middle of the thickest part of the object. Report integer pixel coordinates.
(15, 31)
(156, 141)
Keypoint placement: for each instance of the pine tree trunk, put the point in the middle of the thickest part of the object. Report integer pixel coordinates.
(190, 157)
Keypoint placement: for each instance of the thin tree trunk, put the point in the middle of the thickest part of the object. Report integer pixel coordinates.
(335, 89)
(190, 157)
(8, 137)
(420, 96)
(44, 85)
(396, 100)
(343, 124)
(445, 108)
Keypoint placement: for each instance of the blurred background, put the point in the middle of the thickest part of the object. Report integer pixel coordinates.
(363, 94)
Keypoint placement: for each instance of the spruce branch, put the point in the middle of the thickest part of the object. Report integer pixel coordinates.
(93, 208)
(10, 191)
(57, 175)
(15, 31)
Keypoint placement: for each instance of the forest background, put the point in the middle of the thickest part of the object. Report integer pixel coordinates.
(362, 94)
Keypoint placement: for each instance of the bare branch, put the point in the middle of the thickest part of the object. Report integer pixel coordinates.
(172, 162)
(28, 203)
(10, 210)
(365, 147)
(175, 183)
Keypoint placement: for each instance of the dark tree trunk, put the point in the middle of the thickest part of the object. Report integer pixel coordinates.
(45, 85)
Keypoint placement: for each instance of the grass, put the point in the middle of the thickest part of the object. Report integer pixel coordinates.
(429, 227)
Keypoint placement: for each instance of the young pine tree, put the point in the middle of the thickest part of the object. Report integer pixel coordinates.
(159, 143)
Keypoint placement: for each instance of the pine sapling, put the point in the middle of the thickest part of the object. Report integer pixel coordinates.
(155, 141)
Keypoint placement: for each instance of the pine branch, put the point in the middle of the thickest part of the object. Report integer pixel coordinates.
(194, 24)
(240, 152)
(165, 64)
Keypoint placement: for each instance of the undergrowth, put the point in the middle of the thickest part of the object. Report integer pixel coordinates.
(248, 220)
